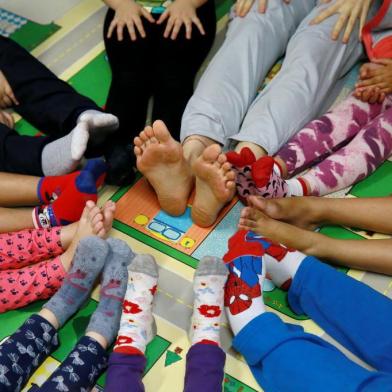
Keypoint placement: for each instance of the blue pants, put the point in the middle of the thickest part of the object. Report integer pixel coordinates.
(283, 357)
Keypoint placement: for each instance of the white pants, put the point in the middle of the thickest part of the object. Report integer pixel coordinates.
(225, 107)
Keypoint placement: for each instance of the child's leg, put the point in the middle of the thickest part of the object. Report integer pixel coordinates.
(205, 360)
(30, 246)
(126, 363)
(354, 162)
(23, 352)
(325, 135)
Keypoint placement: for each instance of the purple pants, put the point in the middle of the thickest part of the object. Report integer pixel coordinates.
(204, 370)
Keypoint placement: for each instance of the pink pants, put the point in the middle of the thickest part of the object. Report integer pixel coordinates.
(30, 268)
(342, 147)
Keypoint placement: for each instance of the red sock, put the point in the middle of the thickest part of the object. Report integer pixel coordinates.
(68, 207)
(50, 188)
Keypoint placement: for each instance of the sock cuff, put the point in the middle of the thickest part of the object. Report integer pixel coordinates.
(304, 186)
(39, 190)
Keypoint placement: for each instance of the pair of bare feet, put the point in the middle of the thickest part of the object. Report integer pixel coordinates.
(289, 221)
(161, 160)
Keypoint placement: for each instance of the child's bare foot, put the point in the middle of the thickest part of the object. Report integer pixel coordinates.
(91, 221)
(160, 159)
(280, 232)
(108, 211)
(215, 185)
(299, 211)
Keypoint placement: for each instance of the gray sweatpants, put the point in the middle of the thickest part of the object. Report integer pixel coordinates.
(225, 107)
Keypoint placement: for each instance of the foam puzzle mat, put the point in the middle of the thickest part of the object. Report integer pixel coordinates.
(176, 243)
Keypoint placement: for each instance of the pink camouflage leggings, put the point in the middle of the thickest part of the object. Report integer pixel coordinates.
(343, 146)
(30, 267)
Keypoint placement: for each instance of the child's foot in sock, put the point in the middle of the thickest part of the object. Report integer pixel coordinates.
(88, 262)
(137, 321)
(69, 206)
(51, 187)
(244, 287)
(208, 287)
(63, 155)
(280, 232)
(99, 124)
(242, 166)
(106, 318)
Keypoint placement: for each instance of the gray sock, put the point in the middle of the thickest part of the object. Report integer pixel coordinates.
(106, 318)
(64, 155)
(88, 262)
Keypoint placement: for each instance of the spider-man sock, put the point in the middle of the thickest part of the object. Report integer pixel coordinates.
(208, 287)
(106, 318)
(80, 370)
(88, 262)
(244, 287)
(23, 352)
(137, 326)
(69, 206)
(51, 187)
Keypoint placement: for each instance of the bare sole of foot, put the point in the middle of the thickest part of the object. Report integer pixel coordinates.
(281, 232)
(160, 159)
(215, 185)
(299, 211)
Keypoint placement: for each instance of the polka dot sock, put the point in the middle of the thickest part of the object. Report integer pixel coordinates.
(208, 287)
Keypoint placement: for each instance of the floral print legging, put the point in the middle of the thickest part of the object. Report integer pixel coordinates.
(343, 146)
(30, 267)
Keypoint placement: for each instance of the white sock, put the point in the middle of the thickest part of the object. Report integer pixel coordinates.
(137, 321)
(294, 187)
(277, 170)
(244, 302)
(282, 271)
(99, 123)
(208, 286)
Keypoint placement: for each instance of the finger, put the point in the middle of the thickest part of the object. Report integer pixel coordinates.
(188, 29)
(9, 92)
(362, 19)
(263, 6)
(366, 95)
(120, 28)
(147, 15)
(163, 17)
(247, 6)
(339, 26)
(198, 24)
(131, 30)
(111, 28)
(381, 98)
(169, 27)
(324, 15)
(9, 119)
(139, 26)
(370, 82)
(7, 101)
(350, 26)
(382, 61)
(176, 28)
(374, 96)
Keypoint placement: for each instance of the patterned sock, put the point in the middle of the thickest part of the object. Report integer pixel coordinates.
(88, 262)
(297, 187)
(69, 206)
(242, 166)
(106, 317)
(63, 155)
(50, 188)
(23, 352)
(99, 124)
(137, 321)
(208, 287)
(80, 370)
(243, 292)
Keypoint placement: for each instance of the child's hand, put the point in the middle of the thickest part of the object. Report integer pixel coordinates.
(242, 7)
(6, 119)
(349, 11)
(378, 77)
(370, 95)
(178, 13)
(128, 14)
(7, 97)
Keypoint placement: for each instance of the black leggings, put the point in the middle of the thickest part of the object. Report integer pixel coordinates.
(47, 102)
(155, 67)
